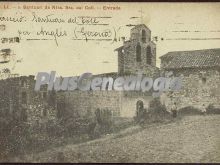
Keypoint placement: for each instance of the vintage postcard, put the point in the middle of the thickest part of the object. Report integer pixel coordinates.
(104, 82)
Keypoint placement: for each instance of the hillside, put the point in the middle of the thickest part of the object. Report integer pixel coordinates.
(192, 139)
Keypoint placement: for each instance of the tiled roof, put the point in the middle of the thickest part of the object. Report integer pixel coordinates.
(110, 74)
(140, 25)
(192, 59)
(117, 49)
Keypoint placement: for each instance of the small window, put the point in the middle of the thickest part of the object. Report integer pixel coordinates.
(149, 55)
(115, 113)
(61, 109)
(44, 112)
(24, 114)
(154, 51)
(44, 95)
(6, 112)
(143, 36)
(204, 80)
(5, 92)
(89, 112)
(24, 98)
(138, 53)
(23, 83)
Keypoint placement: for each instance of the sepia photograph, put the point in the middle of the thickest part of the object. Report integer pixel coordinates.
(109, 82)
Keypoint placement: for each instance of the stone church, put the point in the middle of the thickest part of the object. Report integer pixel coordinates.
(199, 69)
(138, 54)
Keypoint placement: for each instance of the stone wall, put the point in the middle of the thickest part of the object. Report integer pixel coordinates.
(121, 62)
(200, 86)
(86, 102)
(82, 103)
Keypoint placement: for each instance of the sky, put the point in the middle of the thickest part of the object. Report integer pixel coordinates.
(183, 26)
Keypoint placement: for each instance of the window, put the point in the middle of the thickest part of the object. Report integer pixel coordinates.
(154, 51)
(44, 112)
(24, 114)
(115, 113)
(23, 83)
(60, 109)
(44, 95)
(24, 98)
(89, 112)
(6, 111)
(5, 92)
(143, 36)
(203, 80)
(149, 55)
(138, 53)
(121, 62)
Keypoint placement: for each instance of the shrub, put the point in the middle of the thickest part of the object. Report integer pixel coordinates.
(73, 125)
(211, 109)
(156, 107)
(190, 110)
(155, 113)
(15, 139)
(120, 123)
(54, 129)
(104, 120)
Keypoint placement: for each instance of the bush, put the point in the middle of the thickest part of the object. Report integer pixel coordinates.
(104, 120)
(73, 125)
(155, 113)
(211, 109)
(190, 110)
(156, 107)
(54, 129)
(14, 137)
(120, 123)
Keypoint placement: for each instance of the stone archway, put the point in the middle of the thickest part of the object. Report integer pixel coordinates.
(139, 107)
(129, 105)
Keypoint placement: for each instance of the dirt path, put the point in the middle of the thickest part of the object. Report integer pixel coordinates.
(193, 139)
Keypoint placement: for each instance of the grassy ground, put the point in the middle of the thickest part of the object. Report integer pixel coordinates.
(191, 139)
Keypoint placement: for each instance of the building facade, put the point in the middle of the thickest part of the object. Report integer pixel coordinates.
(137, 55)
(199, 69)
(200, 73)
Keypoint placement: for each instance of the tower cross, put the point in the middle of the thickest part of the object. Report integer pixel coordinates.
(141, 11)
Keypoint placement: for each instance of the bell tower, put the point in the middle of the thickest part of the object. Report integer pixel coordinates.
(138, 54)
(141, 33)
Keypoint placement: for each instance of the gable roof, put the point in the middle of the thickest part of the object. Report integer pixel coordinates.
(192, 59)
(118, 49)
(109, 74)
(140, 26)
